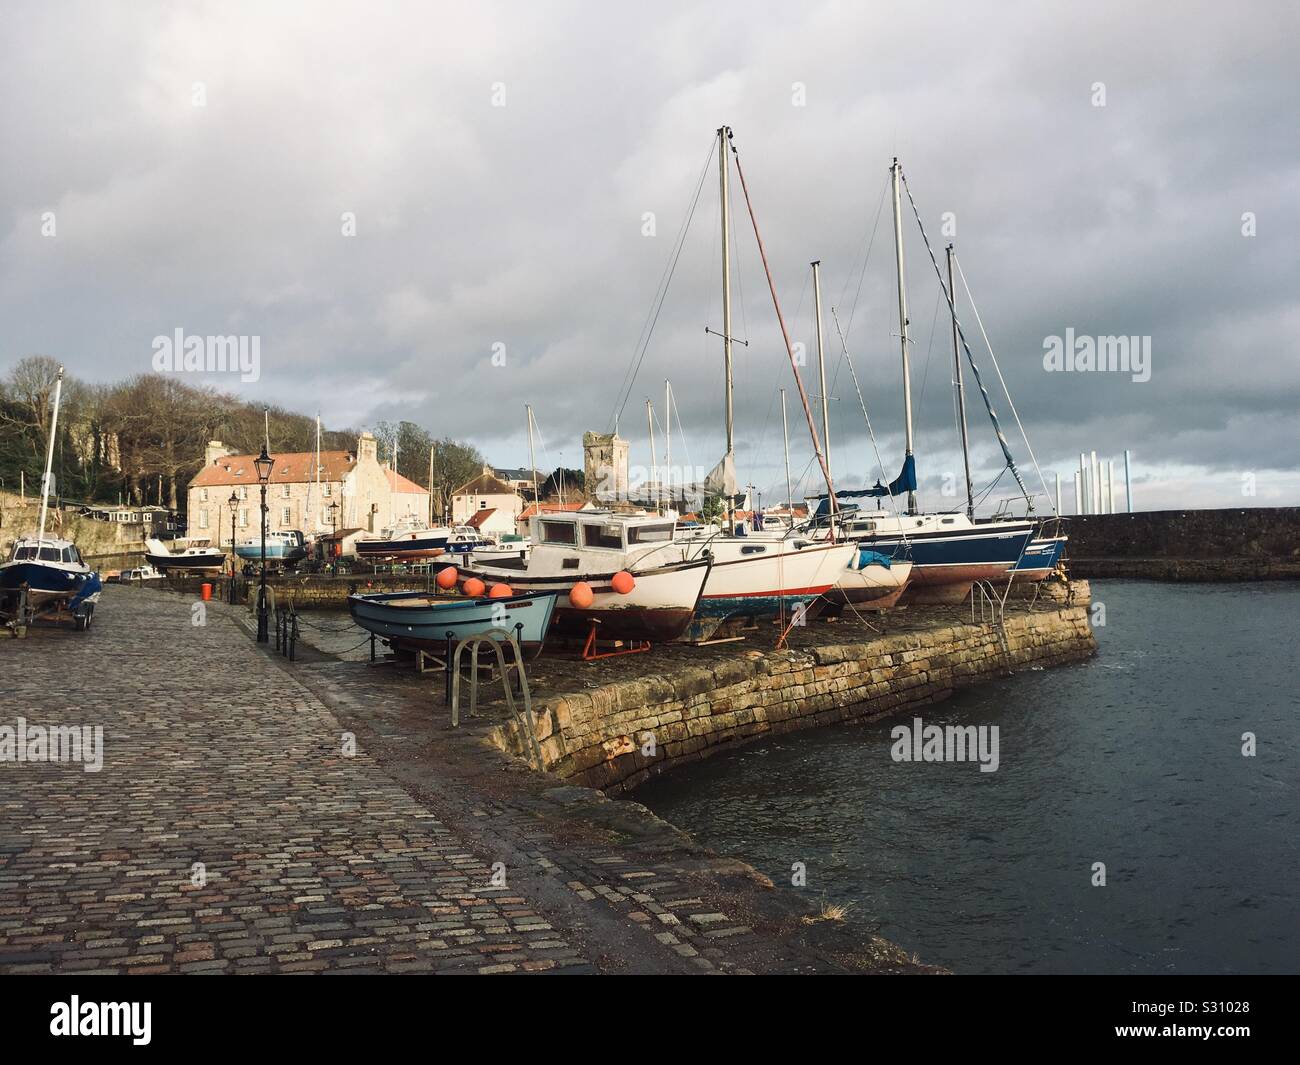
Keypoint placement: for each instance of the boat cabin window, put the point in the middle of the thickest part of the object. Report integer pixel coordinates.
(649, 534)
(51, 554)
(559, 532)
(610, 536)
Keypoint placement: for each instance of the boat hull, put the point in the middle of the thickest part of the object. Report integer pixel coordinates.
(874, 586)
(179, 563)
(47, 584)
(945, 563)
(761, 577)
(418, 621)
(411, 545)
(658, 608)
(1040, 559)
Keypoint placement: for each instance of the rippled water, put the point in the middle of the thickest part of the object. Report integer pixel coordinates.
(1132, 759)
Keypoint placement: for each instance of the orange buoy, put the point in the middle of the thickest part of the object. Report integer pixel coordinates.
(581, 596)
(623, 582)
(501, 591)
(446, 578)
(474, 588)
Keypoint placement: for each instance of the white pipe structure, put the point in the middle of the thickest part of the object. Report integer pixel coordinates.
(1110, 486)
(1096, 483)
(1058, 493)
(1128, 485)
(1083, 483)
(1078, 491)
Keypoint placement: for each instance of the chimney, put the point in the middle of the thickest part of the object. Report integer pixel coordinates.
(214, 451)
(367, 448)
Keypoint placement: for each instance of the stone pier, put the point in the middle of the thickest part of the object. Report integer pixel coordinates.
(615, 736)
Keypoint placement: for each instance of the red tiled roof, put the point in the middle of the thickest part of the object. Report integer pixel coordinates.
(293, 468)
(398, 483)
(480, 516)
(550, 508)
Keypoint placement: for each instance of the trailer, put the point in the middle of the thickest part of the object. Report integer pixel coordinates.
(19, 610)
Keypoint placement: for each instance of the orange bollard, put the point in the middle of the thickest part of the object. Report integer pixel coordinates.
(207, 592)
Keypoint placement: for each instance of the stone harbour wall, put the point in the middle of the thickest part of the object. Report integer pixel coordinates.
(599, 738)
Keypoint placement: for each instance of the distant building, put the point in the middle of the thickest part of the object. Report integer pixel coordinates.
(519, 480)
(485, 492)
(350, 490)
(146, 522)
(605, 465)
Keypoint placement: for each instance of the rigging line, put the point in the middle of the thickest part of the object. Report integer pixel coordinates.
(1010, 402)
(961, 335)
(865, 259)
(880, 463)
(661, 294)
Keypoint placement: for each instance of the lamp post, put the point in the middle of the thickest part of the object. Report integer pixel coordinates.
(263, 462)
(234, 507)
(333, 508)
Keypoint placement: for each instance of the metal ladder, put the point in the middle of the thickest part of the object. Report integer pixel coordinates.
(992, 609)
(496, 638)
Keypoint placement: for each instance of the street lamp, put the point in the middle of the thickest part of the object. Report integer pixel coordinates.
(234, 506)
(263, 462)
(333, 508)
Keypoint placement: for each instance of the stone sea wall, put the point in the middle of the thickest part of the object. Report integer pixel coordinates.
(599, 738)
(1250, 543)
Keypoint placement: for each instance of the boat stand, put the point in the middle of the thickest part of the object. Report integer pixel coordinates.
(590, 654)
(497, 639)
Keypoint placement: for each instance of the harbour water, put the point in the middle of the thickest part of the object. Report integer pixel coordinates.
(1132, 759)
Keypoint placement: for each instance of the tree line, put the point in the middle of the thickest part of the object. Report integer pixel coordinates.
(140, 441)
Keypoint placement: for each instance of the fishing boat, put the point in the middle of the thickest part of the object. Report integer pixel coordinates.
(421, 621)
(593, 548)
(194, 553)
(285, 548)
(408, 539)
(43, 575)
(508, 546)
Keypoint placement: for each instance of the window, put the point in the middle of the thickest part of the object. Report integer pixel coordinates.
(327, 490)
(649, 534)
(49, 554)
(286, 516)
(482, 504)
(243, 491)
(285, 491)
(243, 517)
(609, 536)
(558, 532)
(203, 519)
(326, 518)
(203, 495)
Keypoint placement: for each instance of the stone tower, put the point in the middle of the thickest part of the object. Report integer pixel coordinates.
(605, 466)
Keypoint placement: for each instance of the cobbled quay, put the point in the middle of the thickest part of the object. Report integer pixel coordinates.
(228, 832)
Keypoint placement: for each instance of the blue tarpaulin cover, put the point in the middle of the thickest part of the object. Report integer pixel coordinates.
(904, 482)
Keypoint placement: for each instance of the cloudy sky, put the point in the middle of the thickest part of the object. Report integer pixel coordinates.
(193, 166)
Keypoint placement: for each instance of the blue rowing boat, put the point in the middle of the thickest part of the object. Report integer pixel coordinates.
(422, 621)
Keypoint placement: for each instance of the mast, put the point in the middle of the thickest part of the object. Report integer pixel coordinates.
(532, 461)
(785, 431)
(896, 171)
(430, 487)
(650, 421)
(668, 437)
(49, 460)
(961, 394)
(724, 133)
(821, 365)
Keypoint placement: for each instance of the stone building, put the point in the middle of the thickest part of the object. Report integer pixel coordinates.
(486, 492)
(353, 492)
(605, 465)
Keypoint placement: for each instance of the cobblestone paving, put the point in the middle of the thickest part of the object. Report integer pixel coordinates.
(213, 754)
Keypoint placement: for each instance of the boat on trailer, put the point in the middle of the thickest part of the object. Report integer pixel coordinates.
(423, 621)
(284, 548)
(46, 576)
(195, 553)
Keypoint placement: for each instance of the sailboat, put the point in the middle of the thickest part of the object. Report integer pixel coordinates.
(949, 551)
(760, 574)
(47, 576)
